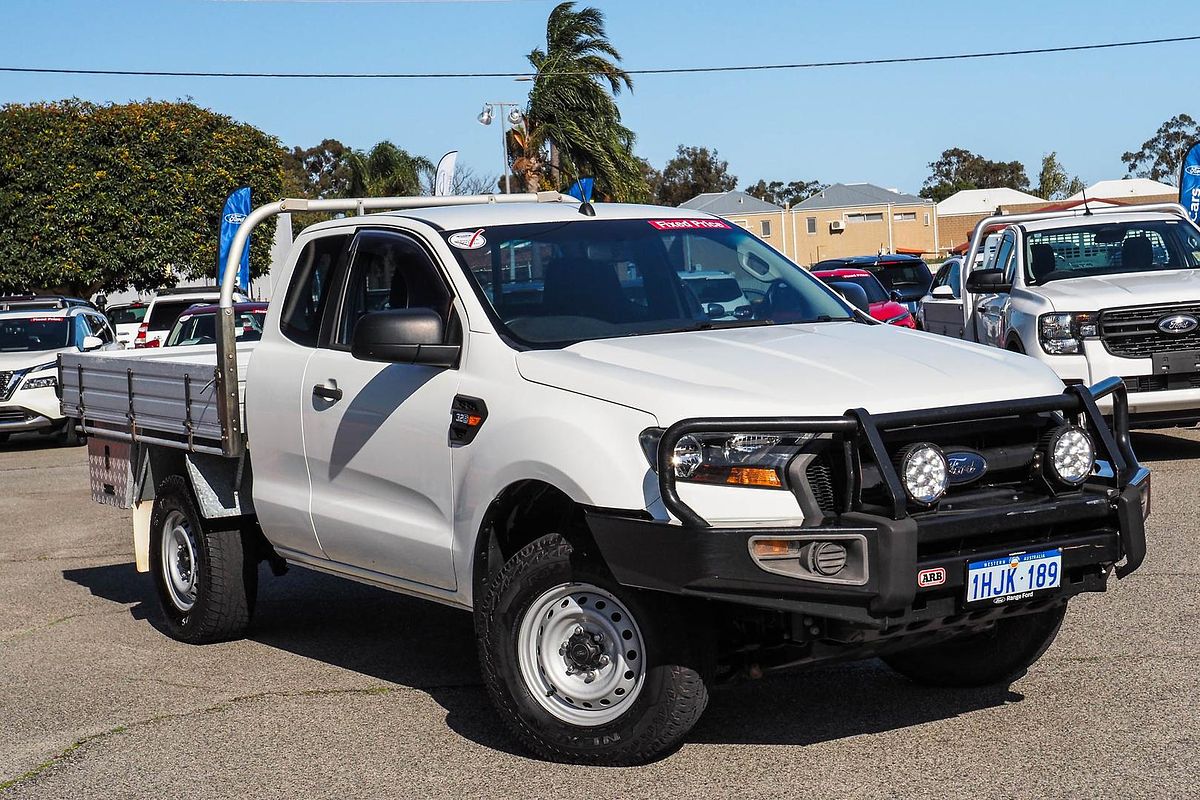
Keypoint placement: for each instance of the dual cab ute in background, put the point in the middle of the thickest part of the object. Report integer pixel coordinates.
(1091, 294)
(518, 405)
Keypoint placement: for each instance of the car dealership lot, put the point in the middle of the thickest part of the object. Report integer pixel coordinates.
(343, 689)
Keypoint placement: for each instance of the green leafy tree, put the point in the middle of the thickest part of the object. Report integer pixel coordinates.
(693, 171)
(572, 126)
(108, 197)
(1053, 182)
(959, 169)
(386, 171)
(318, 172)
(785, 194)
(1161, 156)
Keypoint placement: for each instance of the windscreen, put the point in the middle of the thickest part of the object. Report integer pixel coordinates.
(552, 284)
(1110, 248)
(202, 328)
(27, 334)
(870, 285)
(126, 315)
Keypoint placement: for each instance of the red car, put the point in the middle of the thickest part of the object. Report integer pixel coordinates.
(880, 305)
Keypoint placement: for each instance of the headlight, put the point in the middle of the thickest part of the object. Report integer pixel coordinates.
(1063, 334)
(1070, 454)
(923, 472)
(738, 459)
(43, 382)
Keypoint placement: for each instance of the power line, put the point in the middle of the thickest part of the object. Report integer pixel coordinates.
(651, 71)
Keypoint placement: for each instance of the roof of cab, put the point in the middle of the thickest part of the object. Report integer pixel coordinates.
(1106, 218)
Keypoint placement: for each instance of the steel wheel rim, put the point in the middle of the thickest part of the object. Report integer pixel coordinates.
(179, 563)
(556, 630)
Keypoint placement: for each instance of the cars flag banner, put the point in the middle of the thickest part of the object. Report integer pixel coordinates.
(237, 208)
(582, 189)
(1189, 182)
(443, 183)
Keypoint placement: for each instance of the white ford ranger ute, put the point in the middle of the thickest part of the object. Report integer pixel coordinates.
(1092, 294)
(516, 405)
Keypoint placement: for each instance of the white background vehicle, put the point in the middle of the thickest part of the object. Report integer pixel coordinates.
(30, 342)
(1112, 293)
(126, 319)
(165, 308)
(514, 406)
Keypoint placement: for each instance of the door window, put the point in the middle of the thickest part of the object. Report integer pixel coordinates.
(308, 294)
(99, 328)
(1004, 252)
(389, 271)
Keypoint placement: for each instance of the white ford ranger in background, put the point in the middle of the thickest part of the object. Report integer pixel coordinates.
(518, 405)
(1111, 292)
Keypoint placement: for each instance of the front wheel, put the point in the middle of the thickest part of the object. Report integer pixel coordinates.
(1000, 654)
(206, 581)
(580, 668)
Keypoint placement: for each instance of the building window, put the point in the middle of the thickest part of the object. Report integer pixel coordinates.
(871, 217)
(905, 216)
(741, 223)
(765, 225)
(926, 219)
(812, 224)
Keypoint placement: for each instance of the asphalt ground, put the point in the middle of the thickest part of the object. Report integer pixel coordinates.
(343, 690)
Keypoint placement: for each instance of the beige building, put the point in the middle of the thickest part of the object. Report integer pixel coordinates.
(843, 220)
(960, 212)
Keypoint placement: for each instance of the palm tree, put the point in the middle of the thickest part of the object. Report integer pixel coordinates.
(572, 123)
(386, 171)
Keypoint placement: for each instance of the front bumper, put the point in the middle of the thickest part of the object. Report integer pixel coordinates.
(1097, 527)
(30, 410)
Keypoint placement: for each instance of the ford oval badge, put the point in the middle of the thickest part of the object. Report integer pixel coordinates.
(1178, 324)
(965, 466)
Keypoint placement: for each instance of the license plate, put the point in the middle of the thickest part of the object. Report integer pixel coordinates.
(1182, 361)
(1017, 577)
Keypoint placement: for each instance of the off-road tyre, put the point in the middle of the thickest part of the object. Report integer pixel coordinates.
(998, 655)
(673, 693)
(226, 582)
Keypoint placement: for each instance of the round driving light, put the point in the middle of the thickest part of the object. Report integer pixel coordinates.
(687, 456)
(923, 472)
(1070, 454)
(825, 558)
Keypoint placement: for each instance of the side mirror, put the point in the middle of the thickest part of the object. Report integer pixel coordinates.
(91, 343)
(714, 310)
(403, 336)
(894, 296)
(743, 312)
(943, 292)
(987, 281)
(854, 294)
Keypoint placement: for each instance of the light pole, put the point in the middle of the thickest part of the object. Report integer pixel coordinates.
(514, 118)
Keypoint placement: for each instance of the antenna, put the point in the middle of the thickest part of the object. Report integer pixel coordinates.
(1087, 212)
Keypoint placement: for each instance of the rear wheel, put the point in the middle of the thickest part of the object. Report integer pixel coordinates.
(581, 669)
(206, 582)
(1000, 654)
(69, 434)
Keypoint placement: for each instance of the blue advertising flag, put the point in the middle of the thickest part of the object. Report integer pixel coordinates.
(1189, 182)
(582, 189)
(237, 207)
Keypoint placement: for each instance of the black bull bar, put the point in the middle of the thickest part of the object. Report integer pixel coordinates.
(861, 432)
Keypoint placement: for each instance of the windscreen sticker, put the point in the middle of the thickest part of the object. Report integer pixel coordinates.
(47, 319)
(467, 240)
(687, 224)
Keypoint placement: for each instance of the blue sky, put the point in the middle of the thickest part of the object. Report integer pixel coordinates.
(881, 124)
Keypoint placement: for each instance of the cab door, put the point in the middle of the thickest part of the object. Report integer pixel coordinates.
(942, 309)
(376, 434)
(275, 397)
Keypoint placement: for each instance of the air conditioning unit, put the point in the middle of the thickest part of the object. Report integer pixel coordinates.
(837, 226)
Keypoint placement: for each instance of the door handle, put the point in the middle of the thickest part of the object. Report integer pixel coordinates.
(330, 393)
(982, 309)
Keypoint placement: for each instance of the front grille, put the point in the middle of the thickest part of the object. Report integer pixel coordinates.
(1134, 333)
(8, 382)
